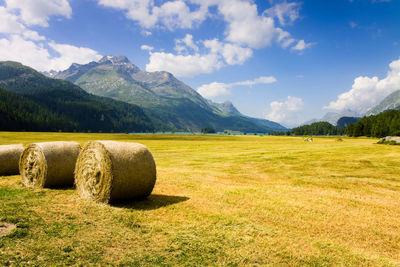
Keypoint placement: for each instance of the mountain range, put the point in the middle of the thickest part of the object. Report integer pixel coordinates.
(391, 102)
(33, 102)
(164, 98)
(333, 117)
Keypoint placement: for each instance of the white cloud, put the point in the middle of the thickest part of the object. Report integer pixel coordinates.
(246, 29)
(245, 26)
(215, 89)
(352, 24)
(183, 65)
(367, 92)
(185, 44)
(171, 14)
(10, 24)
(232, 54)
(37, 56)
(21, 44)
(286, 112)
(301, 45)
(284, 11)
(69, 54)
(147, 47)
(147, 33)
(27, 52)
(38, 12)
(260, 80)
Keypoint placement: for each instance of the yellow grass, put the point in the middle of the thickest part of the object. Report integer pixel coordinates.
(220, 200)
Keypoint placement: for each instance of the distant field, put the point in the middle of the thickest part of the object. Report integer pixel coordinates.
(220, 200)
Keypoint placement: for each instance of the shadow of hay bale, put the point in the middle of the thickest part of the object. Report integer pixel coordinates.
(150, 203)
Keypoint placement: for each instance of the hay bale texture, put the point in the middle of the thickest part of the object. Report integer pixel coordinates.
(9, 157)
(49, 164)
(111, 171)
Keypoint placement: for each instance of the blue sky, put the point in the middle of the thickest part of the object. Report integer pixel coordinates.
(287, 61)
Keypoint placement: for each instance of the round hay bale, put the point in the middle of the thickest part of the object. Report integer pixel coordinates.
(49, 164)
(9, 157)
(110, 171)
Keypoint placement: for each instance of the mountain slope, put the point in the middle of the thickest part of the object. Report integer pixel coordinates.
(20, 113)
(333, 117)
(226, 108)
(58, 99)
(160, 94)
(391, 102)
(345, 121)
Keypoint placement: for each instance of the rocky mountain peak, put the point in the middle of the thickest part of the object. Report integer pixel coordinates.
(118, 61)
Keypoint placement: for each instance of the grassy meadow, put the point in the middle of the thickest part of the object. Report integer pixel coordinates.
(219, 201)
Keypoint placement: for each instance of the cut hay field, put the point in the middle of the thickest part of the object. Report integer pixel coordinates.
(219, 200)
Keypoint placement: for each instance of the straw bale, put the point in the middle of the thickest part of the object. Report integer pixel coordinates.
(49, 164)
(110, 171)
(9, 157)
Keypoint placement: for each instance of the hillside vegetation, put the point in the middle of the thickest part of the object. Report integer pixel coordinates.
(219, 201)
(384, 124)
(318, 128)
(161, 95)
(32, 102)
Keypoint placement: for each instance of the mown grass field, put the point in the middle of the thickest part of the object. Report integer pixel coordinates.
(220, 200)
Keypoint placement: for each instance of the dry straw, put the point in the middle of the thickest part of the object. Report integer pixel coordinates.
(9, 157)
(49, 164)
(110, 171)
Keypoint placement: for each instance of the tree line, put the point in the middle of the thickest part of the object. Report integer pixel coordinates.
(384, 124)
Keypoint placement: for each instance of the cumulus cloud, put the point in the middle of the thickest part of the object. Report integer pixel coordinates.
(10, 24)
(245, 26)
(146, 47)
(68, 54)
(301, 45)
(19, 43)
(367, 92)
(171, 14)
(185, 44)
(183, 65)
(37, 56)
(246, 29)
(232, 54)
(285, 12)
(215, 89)
(38, 12)
(286, 112)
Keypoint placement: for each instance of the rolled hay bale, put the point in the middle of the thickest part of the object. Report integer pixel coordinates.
(9, 157)
(111, 171)
(49, 164)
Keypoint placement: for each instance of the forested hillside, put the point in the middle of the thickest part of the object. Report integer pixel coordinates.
(32, 102)
(383, 124)
(318, 128)
(161, 96)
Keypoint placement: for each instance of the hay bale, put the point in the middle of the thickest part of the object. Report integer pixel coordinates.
(49, 164)
(9, 157)
(110, 171)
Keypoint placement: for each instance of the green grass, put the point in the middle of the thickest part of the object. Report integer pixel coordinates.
(219, 200)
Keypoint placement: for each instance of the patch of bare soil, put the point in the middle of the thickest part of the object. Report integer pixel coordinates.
(6, 228)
